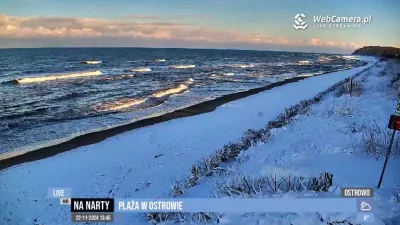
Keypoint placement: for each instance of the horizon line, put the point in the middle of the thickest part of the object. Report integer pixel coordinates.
(222, 49)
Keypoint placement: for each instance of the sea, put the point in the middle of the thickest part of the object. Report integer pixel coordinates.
(49, 95)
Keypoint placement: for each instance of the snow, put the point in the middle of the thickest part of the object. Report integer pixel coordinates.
(322, 141)
(125, 166)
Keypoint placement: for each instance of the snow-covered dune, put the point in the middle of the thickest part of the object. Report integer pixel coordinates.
(330, 137)
(143, 163)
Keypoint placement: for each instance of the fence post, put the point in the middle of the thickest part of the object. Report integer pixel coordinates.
(351, 86)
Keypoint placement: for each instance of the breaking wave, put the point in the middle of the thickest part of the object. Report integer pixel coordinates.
(141, 69)
(176, 90)
(182, 66)
(118, 105)
(160, 60)
(57, 77)
(92, 62)
(228, 74)
(350, 57)
(303, 62)
(190, 81)
(324, 59)
(242, 65)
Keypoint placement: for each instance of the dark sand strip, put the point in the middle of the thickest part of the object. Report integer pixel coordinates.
(95, 137)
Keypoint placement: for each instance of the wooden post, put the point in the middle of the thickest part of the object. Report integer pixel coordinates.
(351, 86)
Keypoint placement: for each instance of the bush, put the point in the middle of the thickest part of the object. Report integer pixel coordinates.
(395, 84)
(356, 89)
(262, 185)
(341, 111)
(376, 141)
(396, 192)
(252, 137)
(177, 190)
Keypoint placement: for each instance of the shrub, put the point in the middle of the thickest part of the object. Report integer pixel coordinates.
(395, 84)
(356, 89)
(177, 190)
(396, 192)
(261, 185)
(376, 141)
(252, 137)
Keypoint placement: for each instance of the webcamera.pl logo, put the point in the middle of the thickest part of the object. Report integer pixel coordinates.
(332, 21)
(299, 23)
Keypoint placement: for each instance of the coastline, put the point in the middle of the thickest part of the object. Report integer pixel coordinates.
(143, 163)
(98, 136)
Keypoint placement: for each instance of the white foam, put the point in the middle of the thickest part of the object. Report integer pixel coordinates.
(242, 65)
(228, 74)
(180, 88)
(57, 77)
(324, 59)
(118, 105)
(190, 81)
(350, 57)
(141, 69)
(92, 62)
(182, 66)
(160, 60)
(307, 74)
(303, 62)
(127, 75)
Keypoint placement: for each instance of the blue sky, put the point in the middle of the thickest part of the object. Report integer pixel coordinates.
(244, 24)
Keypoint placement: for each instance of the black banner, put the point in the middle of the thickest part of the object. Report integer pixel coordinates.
(92, 205)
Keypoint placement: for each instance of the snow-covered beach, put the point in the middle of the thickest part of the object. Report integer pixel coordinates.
(145, 163)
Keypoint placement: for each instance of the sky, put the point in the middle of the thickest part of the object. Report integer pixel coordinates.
(233, 24)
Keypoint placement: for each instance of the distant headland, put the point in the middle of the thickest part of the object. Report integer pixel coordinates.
(388, 52)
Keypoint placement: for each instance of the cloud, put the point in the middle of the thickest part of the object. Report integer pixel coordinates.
(142, 16)
(150, 33)
(203, 16)
(321, 43)
(164, 17)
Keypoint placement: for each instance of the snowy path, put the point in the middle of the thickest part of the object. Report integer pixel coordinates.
(126, 166)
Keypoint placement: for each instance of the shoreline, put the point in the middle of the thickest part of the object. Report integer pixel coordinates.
(98, 136)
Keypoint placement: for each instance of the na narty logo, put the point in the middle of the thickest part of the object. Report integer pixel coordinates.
(299, 23)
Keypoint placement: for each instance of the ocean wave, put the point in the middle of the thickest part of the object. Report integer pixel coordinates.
(182, 66)
(190, 81)
(350, 57)
(171, 91)
(272, 64)
(30, 112)
(324, 59)
(141, 69)
(160, 60)
(57, 77)
(92, 62)
(310, 74)
(119, 105)
(242, 65)
(303, 62)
